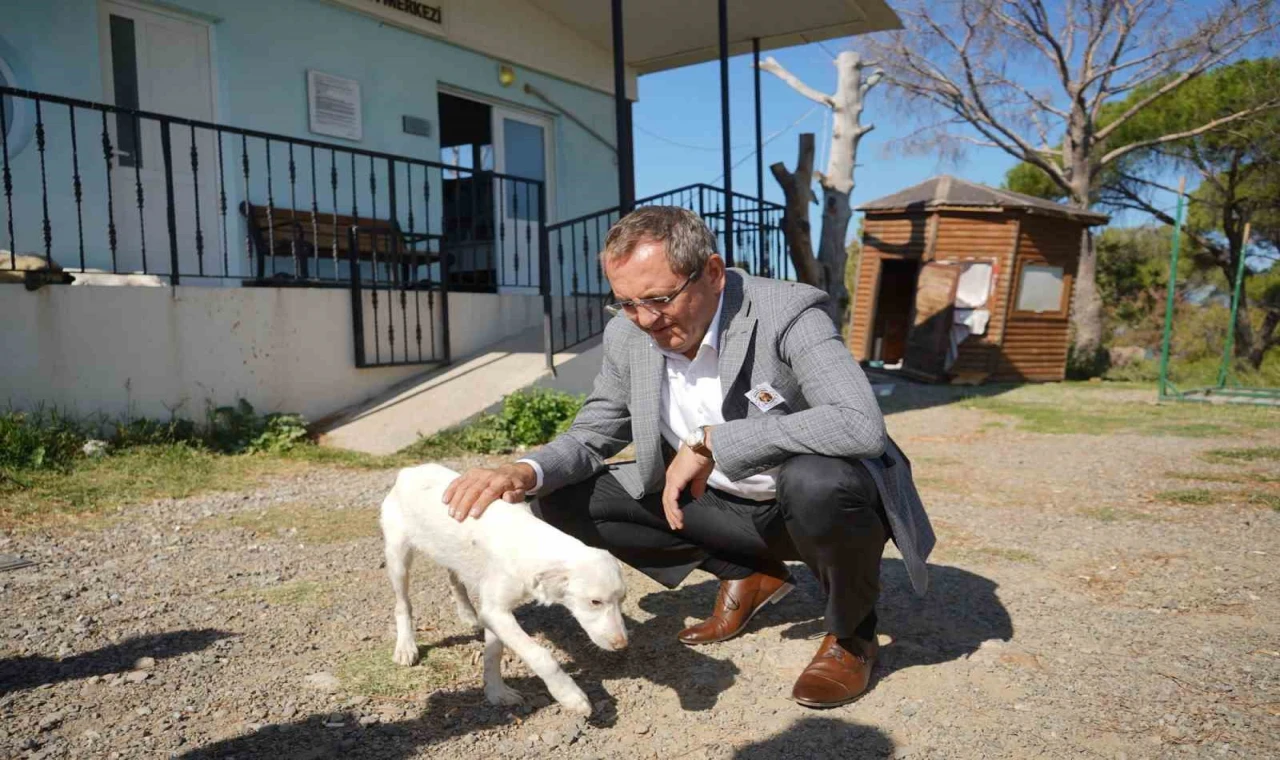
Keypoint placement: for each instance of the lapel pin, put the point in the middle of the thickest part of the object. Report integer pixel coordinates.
(764, 397)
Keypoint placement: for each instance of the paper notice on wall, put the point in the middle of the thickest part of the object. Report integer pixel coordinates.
(333, 103)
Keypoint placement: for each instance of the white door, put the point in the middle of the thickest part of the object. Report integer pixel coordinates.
(523, 148)
(154, 60)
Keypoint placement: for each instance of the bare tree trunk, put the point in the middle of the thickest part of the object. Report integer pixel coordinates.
(827, 271)
(1267, 339)
(797, 188)
(832, 253)
(1086, 313)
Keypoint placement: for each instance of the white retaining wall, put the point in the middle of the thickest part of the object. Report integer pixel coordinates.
(148, 350)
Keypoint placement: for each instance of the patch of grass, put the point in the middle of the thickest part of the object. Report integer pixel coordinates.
(1111, 514)
(1102, 514)
(297, 594)
(1013, 555)
(1190, 496)
(96, 486)
(373, 674)
(1269, 499)
(310, 524)
(1223, 477)
(1254, 454)
(1072, 413)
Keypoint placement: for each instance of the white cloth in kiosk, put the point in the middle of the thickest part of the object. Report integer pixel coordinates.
(973, 288)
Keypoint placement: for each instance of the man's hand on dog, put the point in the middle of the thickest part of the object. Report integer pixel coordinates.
(470, 494)
(690, 470)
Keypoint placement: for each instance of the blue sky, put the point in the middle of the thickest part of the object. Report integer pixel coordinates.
(677, 129)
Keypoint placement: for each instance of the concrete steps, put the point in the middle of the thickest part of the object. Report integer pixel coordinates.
(445, 397)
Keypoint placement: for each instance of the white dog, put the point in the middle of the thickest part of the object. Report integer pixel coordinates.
(505, 557)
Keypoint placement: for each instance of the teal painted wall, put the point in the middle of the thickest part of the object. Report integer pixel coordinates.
(261, 51)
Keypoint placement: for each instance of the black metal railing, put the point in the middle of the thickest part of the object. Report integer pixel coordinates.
(114, 190)
(579, 289)
(104, 190)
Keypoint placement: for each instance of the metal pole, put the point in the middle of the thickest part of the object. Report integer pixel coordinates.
(760, 265)
(724, 129)
(622, 116)
(1235, 306)
(1162, 391)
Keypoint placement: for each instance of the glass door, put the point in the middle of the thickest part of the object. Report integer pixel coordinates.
(523, 149)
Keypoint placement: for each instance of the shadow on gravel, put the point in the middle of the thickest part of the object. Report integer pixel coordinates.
(447, 714)
(960, 611)
(654, 653)
(820, 737)
(18, 673)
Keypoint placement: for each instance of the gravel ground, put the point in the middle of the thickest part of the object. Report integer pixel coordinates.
(1071, 614)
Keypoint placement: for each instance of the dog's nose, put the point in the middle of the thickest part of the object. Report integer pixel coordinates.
(618, 642)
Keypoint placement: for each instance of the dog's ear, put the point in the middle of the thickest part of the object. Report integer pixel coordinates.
(549, 584)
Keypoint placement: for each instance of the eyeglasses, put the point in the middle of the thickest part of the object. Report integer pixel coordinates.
(656, 305)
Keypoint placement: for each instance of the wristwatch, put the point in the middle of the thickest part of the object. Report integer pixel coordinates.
(697, 441)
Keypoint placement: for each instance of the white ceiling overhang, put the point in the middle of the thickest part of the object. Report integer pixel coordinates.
(668, 34)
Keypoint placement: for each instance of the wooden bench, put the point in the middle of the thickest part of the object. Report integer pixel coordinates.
(284, 232)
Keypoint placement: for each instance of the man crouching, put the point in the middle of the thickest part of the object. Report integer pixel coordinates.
(758, 440)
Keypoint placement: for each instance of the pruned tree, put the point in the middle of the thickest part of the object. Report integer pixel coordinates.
(981, 65)
(827, 269)
(1236, 170)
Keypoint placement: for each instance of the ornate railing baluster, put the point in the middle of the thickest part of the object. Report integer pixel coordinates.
(431, 299)
(248, 227)
(586, 268)
(395, 262)
(333, 183)
(138, 192)
(222, 209)
(315, 227)
(108, 155)
(603, 293)
(75, 180)
(195, 180)
(8, 183)
(528, 239)
(412, 270)
(44, 185)
(373, 254)
(502, 227)
(515, 232)
(271, 207)
(565, 298)
(293, 216)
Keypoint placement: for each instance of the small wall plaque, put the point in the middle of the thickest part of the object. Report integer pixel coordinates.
(416, 125)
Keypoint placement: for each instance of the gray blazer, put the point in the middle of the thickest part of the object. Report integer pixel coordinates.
(774, 332)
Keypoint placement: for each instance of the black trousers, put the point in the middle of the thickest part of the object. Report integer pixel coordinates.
(828, 513)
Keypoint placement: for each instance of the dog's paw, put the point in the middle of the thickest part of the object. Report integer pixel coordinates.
(501, 694)
(575, 702)
(406, 653)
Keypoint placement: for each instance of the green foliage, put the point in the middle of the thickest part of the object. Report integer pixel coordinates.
(145, 432)
(1030, 179)
(38, 441)
(51, 441)
(238, 429)
(528, 418)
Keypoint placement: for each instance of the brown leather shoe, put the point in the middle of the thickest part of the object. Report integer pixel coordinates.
(836, 676)
(737, 602)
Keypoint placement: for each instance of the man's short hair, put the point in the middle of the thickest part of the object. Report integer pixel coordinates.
(688, 242)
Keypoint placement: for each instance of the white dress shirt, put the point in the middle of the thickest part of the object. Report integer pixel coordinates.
(692, 397)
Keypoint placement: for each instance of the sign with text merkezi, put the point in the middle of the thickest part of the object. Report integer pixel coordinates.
(413, 15)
